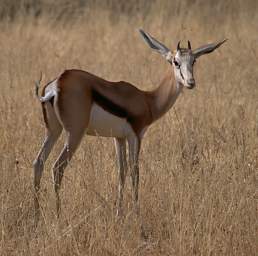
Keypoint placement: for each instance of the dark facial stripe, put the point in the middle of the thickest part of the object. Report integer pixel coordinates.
(181, 74)
(108, 105)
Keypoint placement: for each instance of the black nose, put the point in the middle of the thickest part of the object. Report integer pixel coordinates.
(191, 83)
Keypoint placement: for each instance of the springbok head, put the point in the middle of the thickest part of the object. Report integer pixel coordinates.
(183, 59)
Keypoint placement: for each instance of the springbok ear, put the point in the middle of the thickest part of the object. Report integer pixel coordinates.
(157, 46)
(208, 48)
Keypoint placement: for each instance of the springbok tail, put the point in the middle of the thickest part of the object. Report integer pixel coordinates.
(49, 94)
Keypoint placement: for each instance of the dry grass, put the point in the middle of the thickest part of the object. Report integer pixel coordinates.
(198, 163)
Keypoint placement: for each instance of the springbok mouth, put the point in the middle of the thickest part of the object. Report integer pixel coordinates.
(190, 86)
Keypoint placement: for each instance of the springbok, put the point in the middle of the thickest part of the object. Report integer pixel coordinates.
(81, 102)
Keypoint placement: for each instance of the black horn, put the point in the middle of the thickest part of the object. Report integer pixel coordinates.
(189, 45)
(178, 46)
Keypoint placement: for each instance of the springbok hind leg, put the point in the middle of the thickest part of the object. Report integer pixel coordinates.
(54, 130)
(74, 110)
(73, 140)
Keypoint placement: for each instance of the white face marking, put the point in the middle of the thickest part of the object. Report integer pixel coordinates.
(105, 124)
(183, 68)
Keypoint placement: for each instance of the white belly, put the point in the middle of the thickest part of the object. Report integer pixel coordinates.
(103, 123)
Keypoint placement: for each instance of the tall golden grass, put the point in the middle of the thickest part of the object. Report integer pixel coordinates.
(198, 164)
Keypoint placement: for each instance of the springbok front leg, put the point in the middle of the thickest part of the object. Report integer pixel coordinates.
(54, 130)
(134, 150)
(122, 171)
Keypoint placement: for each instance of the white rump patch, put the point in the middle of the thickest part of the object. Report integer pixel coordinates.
(50, 92)
(102, 123)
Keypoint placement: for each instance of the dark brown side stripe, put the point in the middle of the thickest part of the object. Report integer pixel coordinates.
(108, 105)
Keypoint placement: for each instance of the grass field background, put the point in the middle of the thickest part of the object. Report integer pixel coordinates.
(198, 164)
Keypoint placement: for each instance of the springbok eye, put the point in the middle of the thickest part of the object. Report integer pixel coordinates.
(176, 64)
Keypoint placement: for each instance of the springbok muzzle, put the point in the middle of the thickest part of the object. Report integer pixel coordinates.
(191, 83)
